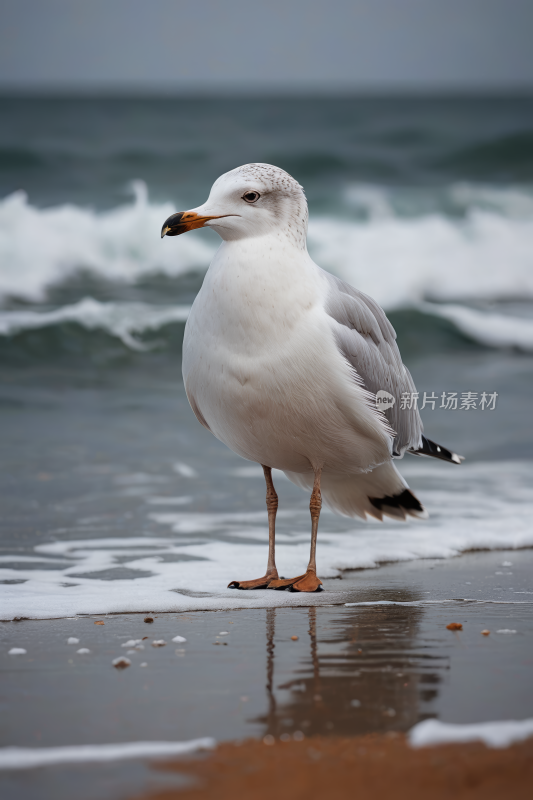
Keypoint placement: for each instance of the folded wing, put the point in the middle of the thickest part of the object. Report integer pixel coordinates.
(368, 342)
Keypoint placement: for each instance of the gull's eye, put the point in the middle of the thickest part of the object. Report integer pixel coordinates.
(251, 197)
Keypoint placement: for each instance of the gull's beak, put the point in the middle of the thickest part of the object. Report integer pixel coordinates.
(185, 221)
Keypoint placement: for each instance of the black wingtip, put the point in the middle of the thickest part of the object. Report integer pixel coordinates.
(434, 450)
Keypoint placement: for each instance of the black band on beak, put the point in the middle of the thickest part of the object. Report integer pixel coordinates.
(174, 225)
(184, 221)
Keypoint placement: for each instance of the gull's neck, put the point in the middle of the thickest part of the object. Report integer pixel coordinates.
(272, 259)
(262, 285)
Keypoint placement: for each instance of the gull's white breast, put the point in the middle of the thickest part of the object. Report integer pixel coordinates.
(262, 369)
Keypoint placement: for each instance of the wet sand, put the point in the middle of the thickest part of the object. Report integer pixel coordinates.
(372, 668)
(374, 767)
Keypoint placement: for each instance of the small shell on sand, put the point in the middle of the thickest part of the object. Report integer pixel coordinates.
(121, 662)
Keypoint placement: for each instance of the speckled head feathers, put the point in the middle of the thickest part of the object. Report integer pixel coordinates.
(269, 175)
(281, 208)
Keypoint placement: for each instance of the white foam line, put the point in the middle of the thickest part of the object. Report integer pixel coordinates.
(120, 319)
(437, 602)
(493, 734)
(395, 602)
(20, 559)
(30, 757)
(188, 569)
(490, 329)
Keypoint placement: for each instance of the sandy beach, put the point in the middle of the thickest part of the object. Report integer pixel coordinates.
(368, 767)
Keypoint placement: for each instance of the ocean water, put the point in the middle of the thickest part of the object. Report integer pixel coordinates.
(114, 498)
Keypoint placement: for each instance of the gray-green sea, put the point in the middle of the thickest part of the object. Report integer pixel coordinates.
(113, 497)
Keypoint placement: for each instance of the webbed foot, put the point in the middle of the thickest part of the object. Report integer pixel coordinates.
(302, 583)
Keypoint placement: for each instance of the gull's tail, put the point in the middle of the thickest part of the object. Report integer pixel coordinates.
(380, 493)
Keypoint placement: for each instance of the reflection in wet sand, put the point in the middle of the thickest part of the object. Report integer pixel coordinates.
(271, 630)
(365, 670)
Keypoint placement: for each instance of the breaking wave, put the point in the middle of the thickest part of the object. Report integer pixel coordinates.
(423, 254)
(488, 328)
(462, 243)
(400, 246)
(130, 322)
(123, 320)
(42, 247)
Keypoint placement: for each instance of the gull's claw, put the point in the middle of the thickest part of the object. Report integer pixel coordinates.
(258, 583)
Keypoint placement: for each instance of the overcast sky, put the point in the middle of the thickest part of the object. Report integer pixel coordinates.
(164, 45)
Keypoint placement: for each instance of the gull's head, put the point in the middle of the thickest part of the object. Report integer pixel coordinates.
(253, 200)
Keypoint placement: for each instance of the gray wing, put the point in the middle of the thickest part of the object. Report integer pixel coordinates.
(368, 341)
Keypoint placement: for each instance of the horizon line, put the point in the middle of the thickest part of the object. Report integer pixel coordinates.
(263, 91)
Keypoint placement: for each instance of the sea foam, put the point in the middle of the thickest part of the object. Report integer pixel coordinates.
(189, 564)
(500, 734)
(31, 757)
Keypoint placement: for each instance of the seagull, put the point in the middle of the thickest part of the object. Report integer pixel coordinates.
(293, 368)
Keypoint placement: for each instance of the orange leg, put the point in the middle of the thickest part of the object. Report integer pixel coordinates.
(308, 582)
(271, 571)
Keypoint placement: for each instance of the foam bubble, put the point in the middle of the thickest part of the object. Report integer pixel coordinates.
(185, 470)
